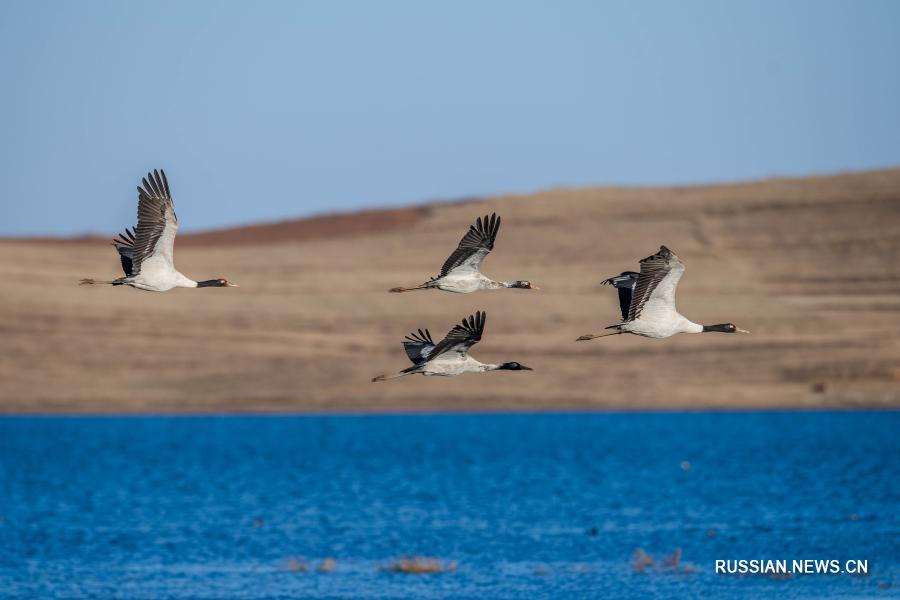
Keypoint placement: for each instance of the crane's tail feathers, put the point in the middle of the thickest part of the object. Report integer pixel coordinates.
(591, 336)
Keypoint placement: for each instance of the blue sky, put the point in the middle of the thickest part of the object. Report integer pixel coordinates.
(266, 110)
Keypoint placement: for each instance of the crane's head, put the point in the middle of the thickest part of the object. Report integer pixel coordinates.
(724, 328)
(513, 366)
(525, 285)
(221, 282)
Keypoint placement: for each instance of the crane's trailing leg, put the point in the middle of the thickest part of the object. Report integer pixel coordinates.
(386, 377)
(591, 336)
(95, 282)
(398, 290)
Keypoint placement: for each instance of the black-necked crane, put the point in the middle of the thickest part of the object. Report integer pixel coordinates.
(451, 355)
(647, 301)
(147, 252)
(460, 272)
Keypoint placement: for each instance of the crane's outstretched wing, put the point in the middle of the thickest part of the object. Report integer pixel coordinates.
(418, 346)
(157, 224)
(655, 289)
(124, 245)
(625, 284)
(461, 337)
(474, 246)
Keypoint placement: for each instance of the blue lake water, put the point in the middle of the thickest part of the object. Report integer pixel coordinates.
(527, 506)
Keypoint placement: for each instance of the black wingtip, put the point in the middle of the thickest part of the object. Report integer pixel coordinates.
(487, 225)
(474, 322)
(165, 181)
(663, 253)
(478, 322)
(155, 184)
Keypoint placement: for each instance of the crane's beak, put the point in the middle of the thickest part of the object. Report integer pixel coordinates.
(229, 284)
(739, 330)
(534, 287)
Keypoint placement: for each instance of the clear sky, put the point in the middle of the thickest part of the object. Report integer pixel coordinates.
(265, 110)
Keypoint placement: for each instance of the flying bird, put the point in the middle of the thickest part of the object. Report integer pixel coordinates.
(147, 251)
(460, 272)
(450, 356)
(647, 301)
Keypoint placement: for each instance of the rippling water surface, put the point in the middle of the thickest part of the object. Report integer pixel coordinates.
(526, 506)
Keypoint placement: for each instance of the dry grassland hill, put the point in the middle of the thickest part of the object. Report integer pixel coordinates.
(811, 266)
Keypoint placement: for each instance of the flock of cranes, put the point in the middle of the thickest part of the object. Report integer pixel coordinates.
(647, 298)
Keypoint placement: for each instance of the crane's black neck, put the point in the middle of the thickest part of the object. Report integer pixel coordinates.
(721, 328)
(511, 366)
(522, 285)
(211, 283)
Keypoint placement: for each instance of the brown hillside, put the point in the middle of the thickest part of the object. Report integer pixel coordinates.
(811, 266)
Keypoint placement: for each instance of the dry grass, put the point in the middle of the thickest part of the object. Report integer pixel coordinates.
(419, 566)
(327, 566)
(641, 562)
(297, 565)
(300, 565)
(811, 266)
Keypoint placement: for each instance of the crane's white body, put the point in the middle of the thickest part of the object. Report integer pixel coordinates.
(661, 327)
(658, 317)
(450, 364)
(462, 281)
(466, 277)
(160, 281)
(158, 272)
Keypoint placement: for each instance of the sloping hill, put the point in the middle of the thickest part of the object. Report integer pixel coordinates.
(811, 266)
